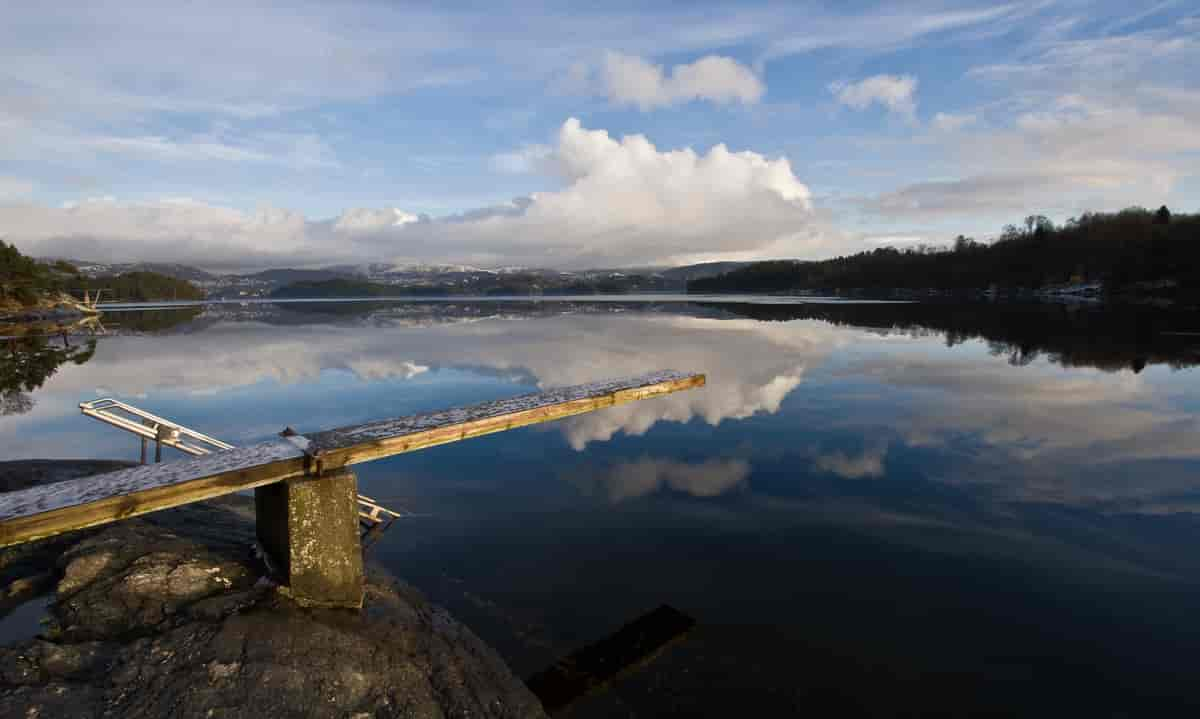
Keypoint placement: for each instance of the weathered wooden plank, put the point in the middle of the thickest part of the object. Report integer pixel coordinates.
(363, 443)
(44, 511)
(48, 510)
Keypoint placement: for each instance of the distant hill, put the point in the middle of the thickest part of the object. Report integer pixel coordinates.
(478, 285)
(701, 271)
(348, 288)
(111, 269)
(371, 269)
(26, 282)
(1134, 251)
(288, 276)
(140, 287)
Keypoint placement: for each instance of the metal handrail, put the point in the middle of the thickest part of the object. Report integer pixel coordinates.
(374, 517)
(152, 427)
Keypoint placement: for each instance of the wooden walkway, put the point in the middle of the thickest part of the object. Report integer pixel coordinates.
(45, 511)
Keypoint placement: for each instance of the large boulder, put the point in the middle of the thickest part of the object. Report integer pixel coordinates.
(169, 616)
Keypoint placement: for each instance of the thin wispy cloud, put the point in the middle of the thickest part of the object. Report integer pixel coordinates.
(532, 157)
(951, 122)
(12, 188)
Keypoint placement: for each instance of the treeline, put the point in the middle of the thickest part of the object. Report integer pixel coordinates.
(24, 280)
(1134, 250)
(140, 287)
(1110, 337)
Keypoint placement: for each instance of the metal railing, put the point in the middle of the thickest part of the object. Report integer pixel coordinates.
(151, 427)
(373, 517)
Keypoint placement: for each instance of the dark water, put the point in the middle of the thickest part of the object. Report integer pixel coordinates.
(871, 509)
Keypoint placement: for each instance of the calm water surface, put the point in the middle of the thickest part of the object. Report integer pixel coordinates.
(879, 508)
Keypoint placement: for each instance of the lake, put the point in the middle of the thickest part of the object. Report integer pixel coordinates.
(873, 508)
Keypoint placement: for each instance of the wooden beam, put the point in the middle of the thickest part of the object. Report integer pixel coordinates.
(48, 510)
(363, 443)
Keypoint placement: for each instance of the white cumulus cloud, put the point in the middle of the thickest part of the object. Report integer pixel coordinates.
(648, 475)
(897, 93)
(867, 464)
(622, 201)
(631, 80)
(366, 219)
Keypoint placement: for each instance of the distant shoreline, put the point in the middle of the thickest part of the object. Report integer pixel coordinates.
(896, 296)
(413, 299)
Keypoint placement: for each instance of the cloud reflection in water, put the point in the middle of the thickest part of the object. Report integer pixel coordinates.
(1039, 432)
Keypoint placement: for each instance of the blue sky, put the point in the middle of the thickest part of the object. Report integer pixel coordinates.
(231, 136)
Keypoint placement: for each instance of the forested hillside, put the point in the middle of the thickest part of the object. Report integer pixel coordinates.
(1134, 250)
(140, 287)
(25, 281)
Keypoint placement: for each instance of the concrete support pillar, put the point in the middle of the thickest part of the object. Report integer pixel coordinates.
(309, 529)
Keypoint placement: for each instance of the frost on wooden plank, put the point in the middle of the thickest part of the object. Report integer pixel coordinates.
(393, 428)
(124, 482)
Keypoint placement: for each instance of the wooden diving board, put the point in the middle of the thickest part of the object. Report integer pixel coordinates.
(45, 511)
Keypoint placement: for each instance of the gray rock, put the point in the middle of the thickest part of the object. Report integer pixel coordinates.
(166, 616)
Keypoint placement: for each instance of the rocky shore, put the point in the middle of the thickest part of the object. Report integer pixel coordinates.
(169, 615)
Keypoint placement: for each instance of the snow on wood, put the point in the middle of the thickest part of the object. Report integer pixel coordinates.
(87, 501)
(47, 510)
(323, 443)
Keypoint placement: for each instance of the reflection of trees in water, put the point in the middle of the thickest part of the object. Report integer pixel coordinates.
(35, 352)
(158, 320)
(13, 402)
(27, 362)
(1109, 337)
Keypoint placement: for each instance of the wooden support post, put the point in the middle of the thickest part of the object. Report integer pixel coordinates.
(309, 528)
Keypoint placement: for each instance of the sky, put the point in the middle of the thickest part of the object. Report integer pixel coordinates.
(234, 136)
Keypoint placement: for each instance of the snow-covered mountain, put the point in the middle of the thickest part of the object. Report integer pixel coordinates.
(462, 277)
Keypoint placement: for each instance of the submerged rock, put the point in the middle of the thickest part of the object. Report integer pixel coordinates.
(166, 616)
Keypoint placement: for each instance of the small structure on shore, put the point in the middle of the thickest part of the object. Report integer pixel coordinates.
(307, 511)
